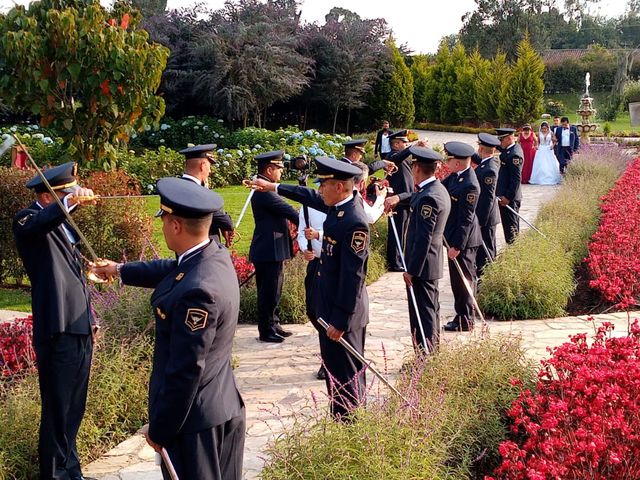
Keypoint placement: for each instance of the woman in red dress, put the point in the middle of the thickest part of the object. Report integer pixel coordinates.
(529, 142)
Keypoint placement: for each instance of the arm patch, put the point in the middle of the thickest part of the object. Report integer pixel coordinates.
(196, 319)
(489, 180)
(517, 161)
(24, 219)
(471, 197)
(426, 211)
(359, 241)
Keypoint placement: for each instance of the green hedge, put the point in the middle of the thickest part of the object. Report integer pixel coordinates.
(534, 277)
(455, 434)
(292, 304)
(436, 127)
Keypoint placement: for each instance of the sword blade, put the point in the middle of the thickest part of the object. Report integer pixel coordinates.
(524, 220)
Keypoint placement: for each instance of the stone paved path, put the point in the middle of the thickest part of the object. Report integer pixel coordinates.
(276, 380)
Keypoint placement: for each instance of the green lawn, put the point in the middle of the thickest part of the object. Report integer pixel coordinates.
(15, 299)
(572, 101)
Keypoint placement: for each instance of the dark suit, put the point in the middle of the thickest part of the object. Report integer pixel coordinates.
(564, 154)
(377, 149)
(508, 186)
(463, 233)
(401, 182)
(340, 294)
(195, 409)
(487, 210)
(221, 221)
(62, 323)
(423, 251)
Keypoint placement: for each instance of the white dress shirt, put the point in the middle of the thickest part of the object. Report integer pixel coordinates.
(427, 181)
(566, 137)
(316, 221)
(70, 236)
(193, 249)
(192, 178)
(385, 144)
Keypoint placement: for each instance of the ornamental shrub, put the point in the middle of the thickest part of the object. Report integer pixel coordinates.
(582, 418)
(454, 434)
(17, 356)
(43, 145)
(533, 277)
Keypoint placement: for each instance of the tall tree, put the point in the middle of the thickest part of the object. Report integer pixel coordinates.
(347, 53)
(88, 72)
(150, 7)
(392, 98)
(521, 95)
(420, 72)
(490, 83)
(248, 59)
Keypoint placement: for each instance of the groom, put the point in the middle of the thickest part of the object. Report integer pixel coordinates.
(567, 142)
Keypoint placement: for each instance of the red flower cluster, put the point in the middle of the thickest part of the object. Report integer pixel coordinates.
(583, 419)
(442, 172)
(16, 351)
(614, 251)
(243, 266)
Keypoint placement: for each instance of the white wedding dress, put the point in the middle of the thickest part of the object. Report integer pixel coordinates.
(546, 169)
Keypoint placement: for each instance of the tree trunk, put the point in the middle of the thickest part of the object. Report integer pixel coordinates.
(264, 122)
(245, 119)
(304, 117)
(348, 120)
(335, 119)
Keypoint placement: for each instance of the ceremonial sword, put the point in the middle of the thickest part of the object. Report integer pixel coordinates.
(368, 364)
(466, 283)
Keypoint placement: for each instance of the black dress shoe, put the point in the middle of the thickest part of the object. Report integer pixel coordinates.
(396, 269)
(322, 373)
(271, 338)
(452, 326)
(281, 331)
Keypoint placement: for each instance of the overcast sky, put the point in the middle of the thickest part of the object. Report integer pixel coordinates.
(418, 23)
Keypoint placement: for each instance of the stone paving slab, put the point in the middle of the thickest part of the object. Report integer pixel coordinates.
(277, 380)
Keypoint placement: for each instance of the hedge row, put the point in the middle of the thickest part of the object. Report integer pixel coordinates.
(534, 276)
(436, 127)
(114, 228)
(454, 434)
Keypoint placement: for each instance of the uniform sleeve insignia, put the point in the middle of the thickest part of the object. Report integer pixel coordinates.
(196, 319)
(517, 161)
(23, 220)
(341, 213)
(460, 179)
(471, 197)
(180, 276)
(358, 241)
(426, 211)
(488, 180)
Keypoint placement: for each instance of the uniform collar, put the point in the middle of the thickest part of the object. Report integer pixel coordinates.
(460, 173)
(486, 160)
(187, 254)
(192, 178)
(426, 182)
(346, 200)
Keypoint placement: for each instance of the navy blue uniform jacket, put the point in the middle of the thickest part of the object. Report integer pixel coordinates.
(428, 213)
(510, 173)
(487, 209)
(196, 307)
(340, 294)
(462, 229)
(402, 180)
(59, 295)
(271, 239)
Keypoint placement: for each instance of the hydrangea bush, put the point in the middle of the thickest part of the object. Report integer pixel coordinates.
(45, 147)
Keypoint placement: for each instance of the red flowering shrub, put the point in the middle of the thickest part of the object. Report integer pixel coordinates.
(16, 351)
(614, 251)
(243, 266)
(582, 421)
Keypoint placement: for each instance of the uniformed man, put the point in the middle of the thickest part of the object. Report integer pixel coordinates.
(340, 295)
(400, 182)
(462, 231)
(197, 168)
(195, 410)
(428, 213)
(508, 187)
(271, 246)
(487, 208)
(62, 319)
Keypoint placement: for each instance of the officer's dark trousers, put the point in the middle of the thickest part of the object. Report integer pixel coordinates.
(211, 454)
(345, 375)
(463, 303)
(269, 286)
(489, 239)
(426, 292)
(400, 218)
(63, 362)
(510, 221)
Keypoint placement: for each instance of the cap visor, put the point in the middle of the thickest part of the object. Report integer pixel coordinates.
(71, 189)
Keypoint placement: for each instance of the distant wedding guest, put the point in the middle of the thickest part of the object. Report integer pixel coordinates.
(546, 170)
(529, 142)
(568, 142)
(556, 121)
(383, 147)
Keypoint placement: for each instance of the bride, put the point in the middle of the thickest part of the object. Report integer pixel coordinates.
(546, 169)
